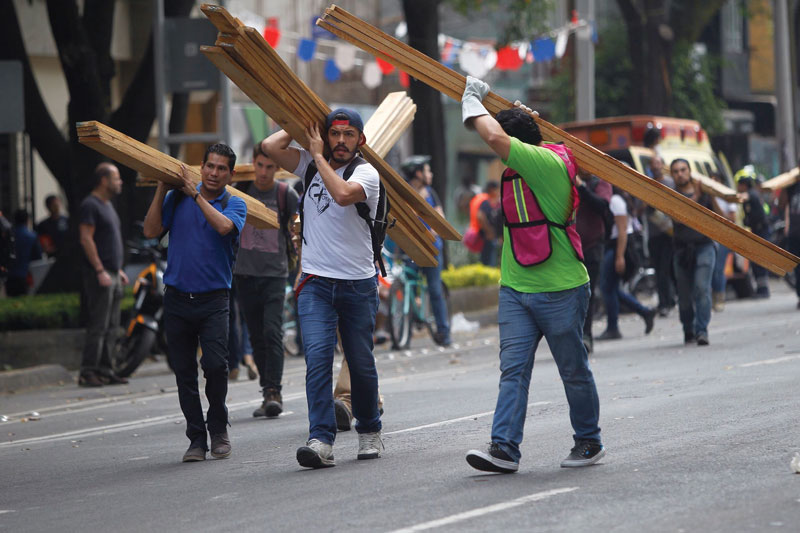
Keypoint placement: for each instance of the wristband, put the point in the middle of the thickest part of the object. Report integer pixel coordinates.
(196, 195)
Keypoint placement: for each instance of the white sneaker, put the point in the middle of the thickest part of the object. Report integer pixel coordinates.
(315, 454)
(370, 445)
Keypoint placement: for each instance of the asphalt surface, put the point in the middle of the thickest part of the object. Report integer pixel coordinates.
(698, 439)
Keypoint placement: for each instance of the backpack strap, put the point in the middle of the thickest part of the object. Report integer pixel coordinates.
(283, 213)
(363, 211)
(311, 171)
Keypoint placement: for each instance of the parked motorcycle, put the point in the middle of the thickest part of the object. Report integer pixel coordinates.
(145, 330)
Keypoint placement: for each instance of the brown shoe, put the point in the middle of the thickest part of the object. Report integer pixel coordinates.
(252, 371)
(89, 380)
(233, 374)
(272, 406)
(220, 446)
(194, 455)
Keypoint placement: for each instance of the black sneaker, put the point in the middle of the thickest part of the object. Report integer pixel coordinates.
(649, 320)
(492, 460)
(702, 339)
(344, 417)
(608, 335)
(689, 338)
(585, 453)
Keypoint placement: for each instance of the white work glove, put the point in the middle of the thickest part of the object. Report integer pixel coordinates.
(474, 93)
(525, 108)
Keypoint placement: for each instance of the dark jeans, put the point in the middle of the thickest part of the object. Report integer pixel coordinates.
(489, 252)
(436, 295)
(760, 273)
(613, 293)
(593, 259)
(661, 251)
(693, 270)
(261, 303)
(793, 246)
(235, 345)
(189, 319)
(102, 304)
(324, 304)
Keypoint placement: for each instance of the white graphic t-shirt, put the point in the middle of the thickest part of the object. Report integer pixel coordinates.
(337, 242)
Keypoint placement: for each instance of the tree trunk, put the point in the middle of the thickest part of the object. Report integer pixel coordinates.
(428, 126)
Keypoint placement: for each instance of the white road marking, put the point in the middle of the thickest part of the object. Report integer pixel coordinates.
(4, 511)
(771, 361)
(454, 420)
(460, 517)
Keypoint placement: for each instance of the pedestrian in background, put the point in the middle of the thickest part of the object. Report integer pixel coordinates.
(544, 285)
(26, 249)
(789, 203)
(103, 277)
(755, 218)
(619, 262)
(54, 229)
(591, 221)
(260, 276)
(694, 260)
(204, 222)
(659, 242)
(490, 220)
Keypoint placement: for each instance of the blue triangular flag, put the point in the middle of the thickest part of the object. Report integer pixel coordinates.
(305, 49)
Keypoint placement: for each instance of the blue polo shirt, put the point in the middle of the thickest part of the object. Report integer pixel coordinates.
(199, 259)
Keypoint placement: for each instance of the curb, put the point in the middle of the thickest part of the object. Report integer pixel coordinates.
(35, 376)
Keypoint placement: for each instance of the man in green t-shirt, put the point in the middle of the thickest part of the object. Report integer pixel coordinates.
(544, 286)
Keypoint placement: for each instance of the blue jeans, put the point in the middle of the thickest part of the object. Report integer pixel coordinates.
(613, 293)
(436, 295)
(324, 304)
(489, 252)
(718, 280)
(524, 319)
(693, 269)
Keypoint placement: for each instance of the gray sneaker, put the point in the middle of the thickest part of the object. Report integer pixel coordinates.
(370, 445)
(315, 454)
(585, 453)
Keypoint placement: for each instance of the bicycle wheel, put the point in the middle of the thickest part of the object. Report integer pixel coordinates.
(399, 320)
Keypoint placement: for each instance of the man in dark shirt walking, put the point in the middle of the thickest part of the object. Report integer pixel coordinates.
(204, 222)
(101, 240)
(693, 261)
(54, 229)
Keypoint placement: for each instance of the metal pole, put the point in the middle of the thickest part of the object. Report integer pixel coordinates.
(783, 86)
(158, 66)
(584, 64)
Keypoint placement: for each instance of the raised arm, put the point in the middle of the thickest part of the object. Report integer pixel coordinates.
(475, 116)
(277, 148)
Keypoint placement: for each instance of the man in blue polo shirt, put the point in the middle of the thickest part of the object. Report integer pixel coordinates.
(204, 222)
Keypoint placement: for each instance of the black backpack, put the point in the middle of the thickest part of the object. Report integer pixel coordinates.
(377, 226)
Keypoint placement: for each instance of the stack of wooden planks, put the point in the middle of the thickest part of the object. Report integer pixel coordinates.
(384, 128)
(714, 188)
(781, 181)
(150, 162)
(429, 71)
(251, 63)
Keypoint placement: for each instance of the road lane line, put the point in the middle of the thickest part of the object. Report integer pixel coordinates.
(460, 517)
(454, 420)
(771, 361)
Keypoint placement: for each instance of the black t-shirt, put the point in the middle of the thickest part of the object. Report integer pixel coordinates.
(107, 236)
(793, 194)
(57, 229)
(684, 235)
(754, 216)
(494, 215)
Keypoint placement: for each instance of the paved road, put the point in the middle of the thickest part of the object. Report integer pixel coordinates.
(698, 439)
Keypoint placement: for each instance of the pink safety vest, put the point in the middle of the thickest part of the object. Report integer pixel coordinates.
(528, 227)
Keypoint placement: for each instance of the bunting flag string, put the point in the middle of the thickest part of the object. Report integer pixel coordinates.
(476, 58)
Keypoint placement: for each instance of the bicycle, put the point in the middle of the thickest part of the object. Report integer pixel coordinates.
(409, 305)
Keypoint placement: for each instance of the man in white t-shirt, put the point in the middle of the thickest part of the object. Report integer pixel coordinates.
(339, 284)
(613, 269)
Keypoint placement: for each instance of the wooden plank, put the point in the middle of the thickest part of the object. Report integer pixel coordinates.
(682, 209)
(714, 188)
(147, 160)
(781, 181)
(238, 55)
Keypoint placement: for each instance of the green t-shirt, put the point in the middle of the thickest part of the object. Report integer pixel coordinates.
(546, 175)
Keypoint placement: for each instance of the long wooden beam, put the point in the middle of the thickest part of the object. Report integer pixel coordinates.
(418, 65)
(781, 181)
(147, 160)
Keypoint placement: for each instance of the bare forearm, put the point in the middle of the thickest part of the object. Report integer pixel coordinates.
(153, 225)
(90, 249)
(343, 193)
(622, 237)
(221, 224)
(276, 146)
(492, 134)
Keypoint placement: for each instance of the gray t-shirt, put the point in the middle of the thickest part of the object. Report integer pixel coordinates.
(107, 236)
(262, 252)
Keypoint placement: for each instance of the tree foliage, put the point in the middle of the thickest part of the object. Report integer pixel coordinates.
(521, 19)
